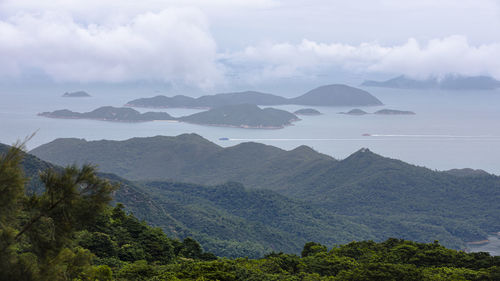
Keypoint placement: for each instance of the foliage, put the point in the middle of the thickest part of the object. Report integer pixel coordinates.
(69, 232)
(37, 230)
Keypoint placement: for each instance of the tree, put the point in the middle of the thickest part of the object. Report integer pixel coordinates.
(36, 231)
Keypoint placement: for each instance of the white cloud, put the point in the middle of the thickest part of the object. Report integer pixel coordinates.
(436, 57)
(203, 42)
(171, 45)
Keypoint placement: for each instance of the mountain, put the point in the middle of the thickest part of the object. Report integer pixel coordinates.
(172, 158)
(329, 95)
(449, 82)
(307, 111)
(336, 95)
(77, 94)
(228, 219)
(210, 101)
(243, 116)
(393, 198)
(109, 113)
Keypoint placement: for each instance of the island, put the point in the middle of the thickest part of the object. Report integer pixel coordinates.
(77, 94)
(449, 82)
(248, 116)
(336, 95)
(307, 111)
(355, 111)
(109, 113)
(328, 95)
(393, 112)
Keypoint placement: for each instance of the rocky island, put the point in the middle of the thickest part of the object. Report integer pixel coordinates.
(355, 111)
(109, 113)
(393, 112)
(329, 95)
(307, 111)
(243, 116)
(77, 94)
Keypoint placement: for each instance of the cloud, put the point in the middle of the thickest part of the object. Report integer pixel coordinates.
(171, 45)
(436, 57)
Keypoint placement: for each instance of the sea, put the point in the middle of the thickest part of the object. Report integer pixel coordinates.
(451, 129)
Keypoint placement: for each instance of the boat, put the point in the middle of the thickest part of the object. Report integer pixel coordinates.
(366, 135)
(224, 139)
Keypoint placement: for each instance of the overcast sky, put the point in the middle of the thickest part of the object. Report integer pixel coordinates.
(246, 41)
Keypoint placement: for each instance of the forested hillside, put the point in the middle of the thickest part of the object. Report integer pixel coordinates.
(387, 196)
(69, 232)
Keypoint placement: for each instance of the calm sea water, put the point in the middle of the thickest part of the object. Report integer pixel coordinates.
(450, 130)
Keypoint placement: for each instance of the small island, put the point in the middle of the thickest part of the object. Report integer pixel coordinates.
(77, 94)
(307, 111)
(248, 116)
(355, 111)
(393, 112)
(109, 113)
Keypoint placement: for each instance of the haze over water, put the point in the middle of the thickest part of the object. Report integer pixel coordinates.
(451, 129)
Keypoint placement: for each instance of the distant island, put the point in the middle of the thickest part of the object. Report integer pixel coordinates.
(77, 94)
(358, 111)
(307, 111)
(243, 116)
(450, 82)
(393, 112)
(329, 95)
(109, 113)
(238, 116)
(355, 111)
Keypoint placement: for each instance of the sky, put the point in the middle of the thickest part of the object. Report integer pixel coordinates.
(228, 43)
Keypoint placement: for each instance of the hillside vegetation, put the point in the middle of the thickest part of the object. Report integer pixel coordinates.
(68, 232)
(376, 196)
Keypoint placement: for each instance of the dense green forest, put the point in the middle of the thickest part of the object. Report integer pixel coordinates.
(367, 195)
(68, 231)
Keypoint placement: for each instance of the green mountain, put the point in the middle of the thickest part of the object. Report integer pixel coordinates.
(187, 157)
(243, 116)
(228, 219)
(329, 95)
(390, 197)
(109, 113)
(69, 232)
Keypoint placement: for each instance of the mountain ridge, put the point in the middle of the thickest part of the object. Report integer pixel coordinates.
(327, 95)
